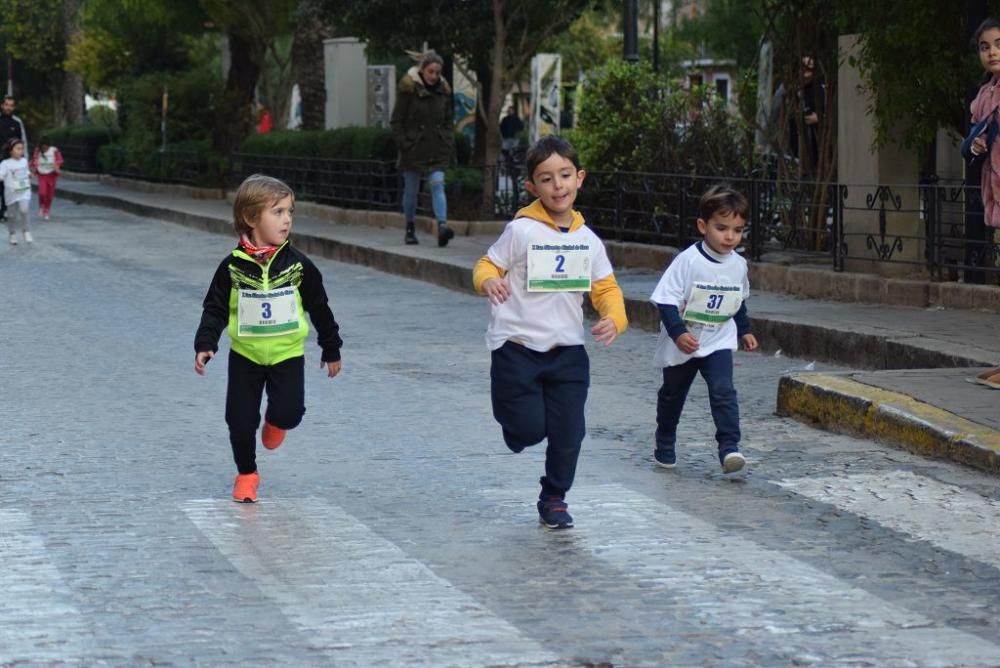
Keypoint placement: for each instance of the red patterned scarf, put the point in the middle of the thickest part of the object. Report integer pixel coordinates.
(262, 254)
(986, 103)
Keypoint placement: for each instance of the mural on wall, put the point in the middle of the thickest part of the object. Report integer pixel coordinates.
(546, 84)
(465, 101)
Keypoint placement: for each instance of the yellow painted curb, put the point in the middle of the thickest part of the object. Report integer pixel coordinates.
(840, 404)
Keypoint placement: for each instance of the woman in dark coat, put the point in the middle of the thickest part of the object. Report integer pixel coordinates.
(423, 127)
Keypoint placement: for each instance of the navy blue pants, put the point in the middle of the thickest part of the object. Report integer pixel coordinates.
(717, 370)
(285, 385)
(539, 396)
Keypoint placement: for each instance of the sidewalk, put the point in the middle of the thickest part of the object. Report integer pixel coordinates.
(933, 411)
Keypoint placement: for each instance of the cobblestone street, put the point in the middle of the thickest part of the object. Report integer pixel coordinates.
(394, 526)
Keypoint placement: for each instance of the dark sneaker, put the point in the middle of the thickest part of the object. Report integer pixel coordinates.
(731, 460)
(411, 237)
(445, 234)
(665, 458)
(553, 513)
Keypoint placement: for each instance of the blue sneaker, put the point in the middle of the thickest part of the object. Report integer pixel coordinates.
(553, 513)
(665, 458)
(731, 459)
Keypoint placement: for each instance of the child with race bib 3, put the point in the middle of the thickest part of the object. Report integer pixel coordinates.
(261, 294)
(703, 315)
(535, 276)
(17, 189)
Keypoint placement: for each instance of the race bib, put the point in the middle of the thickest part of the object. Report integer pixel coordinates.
(21, 185)
(267, 313)
(558, 268)
(712, 305)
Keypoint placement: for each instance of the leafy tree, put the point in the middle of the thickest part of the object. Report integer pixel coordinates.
(496, 38)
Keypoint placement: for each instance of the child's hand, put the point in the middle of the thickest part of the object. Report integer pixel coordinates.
(749, 342)
(687, 343)
(979, 145)
(496, 291)
(605, 331)
(200, 360)
(332, 368)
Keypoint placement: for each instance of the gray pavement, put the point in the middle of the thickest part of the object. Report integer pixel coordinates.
(394, 527)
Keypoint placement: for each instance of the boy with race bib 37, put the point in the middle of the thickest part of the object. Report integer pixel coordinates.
(535, 276)
(261, 294)
(703, 315)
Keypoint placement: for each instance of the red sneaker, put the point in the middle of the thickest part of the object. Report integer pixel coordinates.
(245, 487)
(271, 436)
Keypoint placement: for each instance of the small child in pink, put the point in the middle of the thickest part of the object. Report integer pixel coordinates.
(46, 162)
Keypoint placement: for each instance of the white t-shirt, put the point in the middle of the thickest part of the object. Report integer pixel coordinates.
(16, 180)
(47, 161)
(543, 320)
(707, 289)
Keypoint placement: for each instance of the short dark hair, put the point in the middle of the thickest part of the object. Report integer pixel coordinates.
(44, 141)
(11, 143)
(723, 199)
(11, 98)
(542, 149)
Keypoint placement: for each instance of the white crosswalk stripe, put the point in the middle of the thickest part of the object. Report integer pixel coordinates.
(39, 620)
(364, 599)
(944, 515)
(727, 583)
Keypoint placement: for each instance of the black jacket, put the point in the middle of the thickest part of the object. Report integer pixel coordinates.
(11, 127)
(288, 267)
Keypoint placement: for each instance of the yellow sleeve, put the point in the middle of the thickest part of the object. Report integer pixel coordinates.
(484, 270)
(609, 302)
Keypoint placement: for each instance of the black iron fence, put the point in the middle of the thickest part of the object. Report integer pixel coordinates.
(928, 229)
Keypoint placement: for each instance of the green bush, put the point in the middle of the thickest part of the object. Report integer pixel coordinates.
(344, 143)
(630, 122)
(191, 162)
(79, 145)
(190, 109)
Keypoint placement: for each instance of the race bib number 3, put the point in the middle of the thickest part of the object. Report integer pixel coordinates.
(712, 305)
(559, 268)
(268, 313)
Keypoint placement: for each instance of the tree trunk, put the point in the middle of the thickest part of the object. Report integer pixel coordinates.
(484, 85)
(234, 120)
(71, 90)
(309, 64)
(491, 107)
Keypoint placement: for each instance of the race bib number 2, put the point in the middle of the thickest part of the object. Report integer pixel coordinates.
(559, 268)
(268, 313)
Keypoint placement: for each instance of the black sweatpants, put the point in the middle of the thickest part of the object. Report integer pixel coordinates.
(285, 385)
(539, 396)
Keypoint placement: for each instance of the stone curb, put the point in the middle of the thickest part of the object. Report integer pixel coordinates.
(807, 341)
(839, 404)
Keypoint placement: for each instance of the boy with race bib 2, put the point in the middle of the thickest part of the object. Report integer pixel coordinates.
(702, 302)
(535, 276)
(261, 294)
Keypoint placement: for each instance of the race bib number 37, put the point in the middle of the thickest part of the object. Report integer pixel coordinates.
(712, 304)
(268, 313)
(558, 268)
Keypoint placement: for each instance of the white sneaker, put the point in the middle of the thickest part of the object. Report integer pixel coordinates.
(13, 239)
(28, 238)
(733, 462)
(45, 215)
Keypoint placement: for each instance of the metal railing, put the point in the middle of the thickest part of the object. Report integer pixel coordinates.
(929, 229)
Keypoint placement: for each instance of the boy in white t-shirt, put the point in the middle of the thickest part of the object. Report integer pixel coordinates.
(534, 276)
(702, 302)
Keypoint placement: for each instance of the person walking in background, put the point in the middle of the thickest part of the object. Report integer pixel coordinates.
(17, 189)
(423, 127)
(45, 164)
(11, 127)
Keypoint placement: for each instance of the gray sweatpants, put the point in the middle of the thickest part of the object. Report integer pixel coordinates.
(17, 212)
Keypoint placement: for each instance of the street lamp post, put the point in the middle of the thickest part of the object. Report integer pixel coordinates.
(631, 31)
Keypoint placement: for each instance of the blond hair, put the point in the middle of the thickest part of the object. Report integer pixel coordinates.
(256, 193)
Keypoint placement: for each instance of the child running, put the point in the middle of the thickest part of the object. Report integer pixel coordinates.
(261, 293)
(17, 189)
(702, 302)
(46, 162)
(534, 276)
